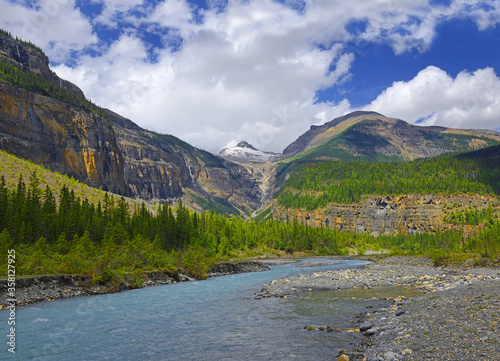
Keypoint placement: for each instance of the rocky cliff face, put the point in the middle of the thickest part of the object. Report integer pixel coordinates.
(62, 137)
(380, 214)
(162, 167)
(112, 152)
(32, 60)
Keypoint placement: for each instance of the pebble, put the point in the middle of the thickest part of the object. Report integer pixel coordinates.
(400, 312)
(390, 356)
(371, 332)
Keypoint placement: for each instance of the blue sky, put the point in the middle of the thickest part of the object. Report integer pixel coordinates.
(216, 72)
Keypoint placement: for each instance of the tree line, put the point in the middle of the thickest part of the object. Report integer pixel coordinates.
(110, 238)
(35, 83)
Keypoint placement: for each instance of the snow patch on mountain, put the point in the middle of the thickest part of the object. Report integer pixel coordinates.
(247, 151)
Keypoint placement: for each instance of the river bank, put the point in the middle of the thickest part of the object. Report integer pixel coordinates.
(454, 317)
(34, 289)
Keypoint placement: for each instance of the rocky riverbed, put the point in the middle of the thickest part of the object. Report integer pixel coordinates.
(229, 268)
(455, 314)
(34, 289)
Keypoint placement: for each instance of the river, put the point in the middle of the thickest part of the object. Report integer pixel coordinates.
(215, 319)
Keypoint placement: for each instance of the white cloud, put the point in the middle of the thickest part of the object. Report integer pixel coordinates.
(245, 69)
(232, 75)
(174, 14)
(113, 9)
(471, 100)
(54, 25)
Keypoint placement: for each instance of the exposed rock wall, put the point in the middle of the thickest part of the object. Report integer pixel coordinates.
(162, 168)
(380, 214)
(228, 268)
(62, 137)
(33, 61)
(151, 174)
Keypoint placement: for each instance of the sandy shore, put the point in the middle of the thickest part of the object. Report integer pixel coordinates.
(456, 315)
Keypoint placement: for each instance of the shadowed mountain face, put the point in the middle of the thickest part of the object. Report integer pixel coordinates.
(162, 167)
(371, 136)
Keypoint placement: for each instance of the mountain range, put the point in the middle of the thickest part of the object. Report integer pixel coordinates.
(48, 121)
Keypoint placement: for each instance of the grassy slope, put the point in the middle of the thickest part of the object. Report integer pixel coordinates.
(11, 167)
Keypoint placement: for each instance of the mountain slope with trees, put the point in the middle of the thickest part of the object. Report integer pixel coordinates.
(49, 121)
(316, 184)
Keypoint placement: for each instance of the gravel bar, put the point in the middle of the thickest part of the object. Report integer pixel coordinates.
(456, 318)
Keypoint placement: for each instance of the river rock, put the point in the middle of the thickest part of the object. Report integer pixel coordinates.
(229, 268)
(343, 358)
(365, 326)
(400, 312)
(390, 356)
(371, 332)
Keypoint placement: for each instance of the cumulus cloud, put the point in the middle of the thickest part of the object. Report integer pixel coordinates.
(239, 69)
(114, 10)
(57, 26)
(433, 97)
(250, 73)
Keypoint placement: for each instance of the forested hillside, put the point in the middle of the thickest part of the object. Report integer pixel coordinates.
(78, 237)
(57, 229)
(316, 184)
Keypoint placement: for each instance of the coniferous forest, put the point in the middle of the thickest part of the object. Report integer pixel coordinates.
(315, 185)
(77, 236)
(113, 237)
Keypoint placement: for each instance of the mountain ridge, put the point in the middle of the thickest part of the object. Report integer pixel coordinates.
(244, 150)
(362, 134)
(104, 149)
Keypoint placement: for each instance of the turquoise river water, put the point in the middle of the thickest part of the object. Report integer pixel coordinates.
(215, 319)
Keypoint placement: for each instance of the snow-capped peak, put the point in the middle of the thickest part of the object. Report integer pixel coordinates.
(245, 150)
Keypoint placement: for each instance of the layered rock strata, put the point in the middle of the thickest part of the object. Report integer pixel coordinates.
(62, 137)
(405, 213)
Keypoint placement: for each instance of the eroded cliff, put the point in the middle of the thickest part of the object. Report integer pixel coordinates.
(381, 214)
(162, 167)
(62, 137)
